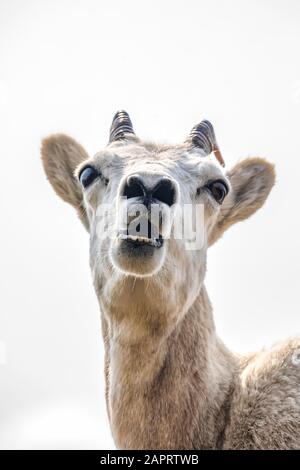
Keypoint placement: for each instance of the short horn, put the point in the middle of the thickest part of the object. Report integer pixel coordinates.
(203, 137)
(121, 127)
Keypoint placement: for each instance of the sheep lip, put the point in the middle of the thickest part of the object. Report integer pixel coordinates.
(136, 240)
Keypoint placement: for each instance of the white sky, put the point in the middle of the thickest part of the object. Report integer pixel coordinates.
(67, 66)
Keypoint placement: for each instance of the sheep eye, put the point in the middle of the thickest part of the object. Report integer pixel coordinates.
(218, 190)
(88, 175)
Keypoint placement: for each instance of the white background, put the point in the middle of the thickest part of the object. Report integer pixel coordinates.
(67, 66)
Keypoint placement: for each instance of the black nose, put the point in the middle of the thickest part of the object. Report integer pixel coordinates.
(163, 191)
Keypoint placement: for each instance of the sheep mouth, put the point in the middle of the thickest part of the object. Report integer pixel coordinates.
(146, 235)
(139, 241)
(140, 254)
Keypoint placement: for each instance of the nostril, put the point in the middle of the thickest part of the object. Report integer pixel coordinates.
(165, 192)
(134, 188)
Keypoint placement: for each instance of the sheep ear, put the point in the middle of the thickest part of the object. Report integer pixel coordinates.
(251, 182)
(60, 156)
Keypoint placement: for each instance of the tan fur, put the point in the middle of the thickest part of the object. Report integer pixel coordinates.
(61, 155)
(259, 176)
(170, 382)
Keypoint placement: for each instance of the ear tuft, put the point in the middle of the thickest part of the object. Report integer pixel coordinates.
(60, 156)
(251, 182)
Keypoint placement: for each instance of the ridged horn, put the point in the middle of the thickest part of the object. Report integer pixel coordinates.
(203, 136)
(121, 127)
